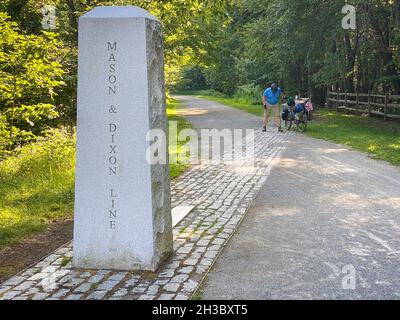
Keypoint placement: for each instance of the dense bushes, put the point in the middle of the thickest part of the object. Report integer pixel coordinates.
(192, 78)
(250, 94)
(30, 77)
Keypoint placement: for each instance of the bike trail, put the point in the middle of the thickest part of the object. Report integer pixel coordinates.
(325, 225)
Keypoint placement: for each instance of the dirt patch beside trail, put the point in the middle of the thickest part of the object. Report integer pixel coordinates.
(19, 256)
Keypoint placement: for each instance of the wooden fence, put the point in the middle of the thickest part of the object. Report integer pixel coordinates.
(387, 106)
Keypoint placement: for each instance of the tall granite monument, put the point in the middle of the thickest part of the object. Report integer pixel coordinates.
(122, 202)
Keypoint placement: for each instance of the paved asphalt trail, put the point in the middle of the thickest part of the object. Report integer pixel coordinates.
(324, 212)
(205, 114)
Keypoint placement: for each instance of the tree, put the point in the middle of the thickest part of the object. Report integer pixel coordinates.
(30, 75)
(302, 45)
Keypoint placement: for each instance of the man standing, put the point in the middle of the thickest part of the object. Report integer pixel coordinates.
(271, 102)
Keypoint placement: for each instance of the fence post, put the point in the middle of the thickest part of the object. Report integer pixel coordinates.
(337, 100)
(345, 101)
(327, 99)
(386, 105)
(328, 96)
(357, 99)
(369, 103)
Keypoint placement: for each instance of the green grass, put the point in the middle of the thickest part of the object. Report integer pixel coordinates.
(199, 294)
(94, 285)
(36, 186)
(37, 183)
(65, 261)
(178, 168)
(182, 230)
(6, 272)
(379, 139)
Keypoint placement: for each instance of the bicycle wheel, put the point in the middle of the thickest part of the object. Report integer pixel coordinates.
(302, 124)
(289, 121)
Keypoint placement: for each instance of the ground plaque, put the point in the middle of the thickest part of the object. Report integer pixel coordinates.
(122, 202)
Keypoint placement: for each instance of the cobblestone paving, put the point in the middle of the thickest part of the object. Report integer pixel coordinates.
(221, 193)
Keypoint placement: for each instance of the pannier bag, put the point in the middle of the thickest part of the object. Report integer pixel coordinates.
(299, 108)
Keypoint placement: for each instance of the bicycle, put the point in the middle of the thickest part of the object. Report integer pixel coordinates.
(300, 119)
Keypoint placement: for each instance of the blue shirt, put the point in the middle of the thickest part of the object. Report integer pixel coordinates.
(272, 97)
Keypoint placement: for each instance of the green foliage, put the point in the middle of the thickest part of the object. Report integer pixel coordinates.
(192, 79)
(223, 73)
(30, 75)
(26, 13)
(302, 45)
(249, 94)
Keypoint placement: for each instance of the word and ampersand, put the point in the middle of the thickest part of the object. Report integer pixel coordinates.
(112, 160)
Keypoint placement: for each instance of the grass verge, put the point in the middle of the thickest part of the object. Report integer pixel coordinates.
(36, 186)
(37, 182)
(379, 139)
(178, 168)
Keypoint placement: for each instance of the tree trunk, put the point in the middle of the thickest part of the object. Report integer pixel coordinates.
(383, 44)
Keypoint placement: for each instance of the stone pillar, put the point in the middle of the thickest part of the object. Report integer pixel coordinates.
(122, 202)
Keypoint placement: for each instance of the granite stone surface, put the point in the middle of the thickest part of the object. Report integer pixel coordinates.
(122, 201)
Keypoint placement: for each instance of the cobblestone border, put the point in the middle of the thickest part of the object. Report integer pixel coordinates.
(221, 193)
